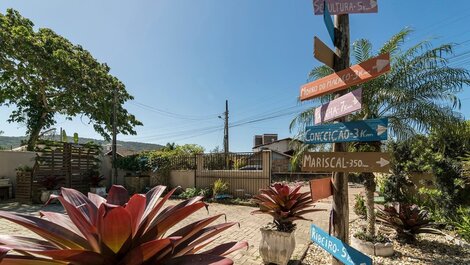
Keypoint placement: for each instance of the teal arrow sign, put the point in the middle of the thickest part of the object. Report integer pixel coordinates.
(337, 248)
(354, 131)
(328, 22)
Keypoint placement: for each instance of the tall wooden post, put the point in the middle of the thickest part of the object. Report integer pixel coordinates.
(340, 180)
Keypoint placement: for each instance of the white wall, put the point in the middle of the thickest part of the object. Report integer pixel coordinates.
(10, 160)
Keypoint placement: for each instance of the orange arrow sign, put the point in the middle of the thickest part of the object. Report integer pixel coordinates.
(351, 76)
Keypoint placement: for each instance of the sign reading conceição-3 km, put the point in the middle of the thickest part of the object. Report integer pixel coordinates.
(342, 132)
(353, 75)
(346, 162)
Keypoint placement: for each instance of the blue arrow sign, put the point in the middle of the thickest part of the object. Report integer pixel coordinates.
(328, 22)
(355, 131)
(341, 251)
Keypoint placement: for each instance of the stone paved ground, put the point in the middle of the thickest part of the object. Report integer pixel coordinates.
(249, 224)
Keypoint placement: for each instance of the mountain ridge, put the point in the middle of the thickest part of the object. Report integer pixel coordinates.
(9, 142)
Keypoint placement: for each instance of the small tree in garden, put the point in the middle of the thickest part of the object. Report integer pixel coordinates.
(117, 230)
(44, 74)
(419, 93)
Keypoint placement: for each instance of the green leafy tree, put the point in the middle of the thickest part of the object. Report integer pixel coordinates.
(418, 93)
(43, 74)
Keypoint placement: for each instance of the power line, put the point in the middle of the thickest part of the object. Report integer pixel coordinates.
(175, 115)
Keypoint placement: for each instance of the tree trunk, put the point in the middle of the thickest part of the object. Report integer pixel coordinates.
(35, 131)
(369, 186)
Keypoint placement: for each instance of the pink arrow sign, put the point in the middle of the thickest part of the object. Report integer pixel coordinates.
(338, 7)
(339, 107)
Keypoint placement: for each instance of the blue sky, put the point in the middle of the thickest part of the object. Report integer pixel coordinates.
(181, 59)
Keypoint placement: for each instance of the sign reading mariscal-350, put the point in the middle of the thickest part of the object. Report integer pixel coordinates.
(355, 131)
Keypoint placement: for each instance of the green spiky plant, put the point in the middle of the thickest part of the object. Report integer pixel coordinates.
(417, 94)
(117, 230)
(408, 220)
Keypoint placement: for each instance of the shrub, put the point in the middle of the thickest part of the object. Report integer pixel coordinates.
(462, 222)
(117, 230)
(360, 206)
(94, 178)
(285, 204)
(193, 192)
(219, 187)
(408, 220)
(51, 182)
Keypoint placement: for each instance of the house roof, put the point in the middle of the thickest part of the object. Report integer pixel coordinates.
(280, 140)
(122, 152)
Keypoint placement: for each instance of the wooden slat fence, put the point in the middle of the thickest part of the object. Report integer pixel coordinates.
(63, 160)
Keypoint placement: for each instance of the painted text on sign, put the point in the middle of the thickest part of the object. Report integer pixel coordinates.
(338, 7)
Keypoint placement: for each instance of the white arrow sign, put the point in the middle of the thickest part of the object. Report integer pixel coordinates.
(373, 4)
(383, 162)
(381, 64)
(381, 129)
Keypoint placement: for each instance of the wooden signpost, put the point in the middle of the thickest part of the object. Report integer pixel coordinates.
(346, 162)
(340, 250)
(341, 80)
(340, 162)
(339, 107)
(343, 132)
(338, 7)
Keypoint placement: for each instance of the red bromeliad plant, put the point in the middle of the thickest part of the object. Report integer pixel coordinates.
(408, 220)
(285, 204)
(117, 230)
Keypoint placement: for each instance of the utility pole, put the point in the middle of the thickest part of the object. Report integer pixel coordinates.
(340, 180)
(115, 173)
(226, 150)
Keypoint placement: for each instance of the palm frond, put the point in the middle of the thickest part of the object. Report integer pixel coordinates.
(394, 44)
(362, 50)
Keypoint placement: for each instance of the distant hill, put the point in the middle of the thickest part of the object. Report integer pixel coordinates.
(8, 142)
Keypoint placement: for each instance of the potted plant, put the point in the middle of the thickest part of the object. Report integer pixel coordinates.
(50, 183)
(285, 204)
(95, 179)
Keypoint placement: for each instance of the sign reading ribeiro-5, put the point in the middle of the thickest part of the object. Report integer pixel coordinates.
(337, 248)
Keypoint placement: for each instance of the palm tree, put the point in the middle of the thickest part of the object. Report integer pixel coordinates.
(417, 94)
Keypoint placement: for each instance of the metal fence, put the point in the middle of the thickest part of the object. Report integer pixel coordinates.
(183, 162)
(245, 173)
(233, 161)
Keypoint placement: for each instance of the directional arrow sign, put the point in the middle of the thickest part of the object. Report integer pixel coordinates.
(341, 132)
(329, 24)
(323, 53)
(320, 189)
(346, 162)
(340, 250)
(341, 80)
(338, 7)
(339, 107)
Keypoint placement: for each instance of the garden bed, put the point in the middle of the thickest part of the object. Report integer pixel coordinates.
(428, 249)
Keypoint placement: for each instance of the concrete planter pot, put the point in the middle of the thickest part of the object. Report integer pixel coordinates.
(98, 191)
(45, 194)
(276, 247)
(369, 248)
